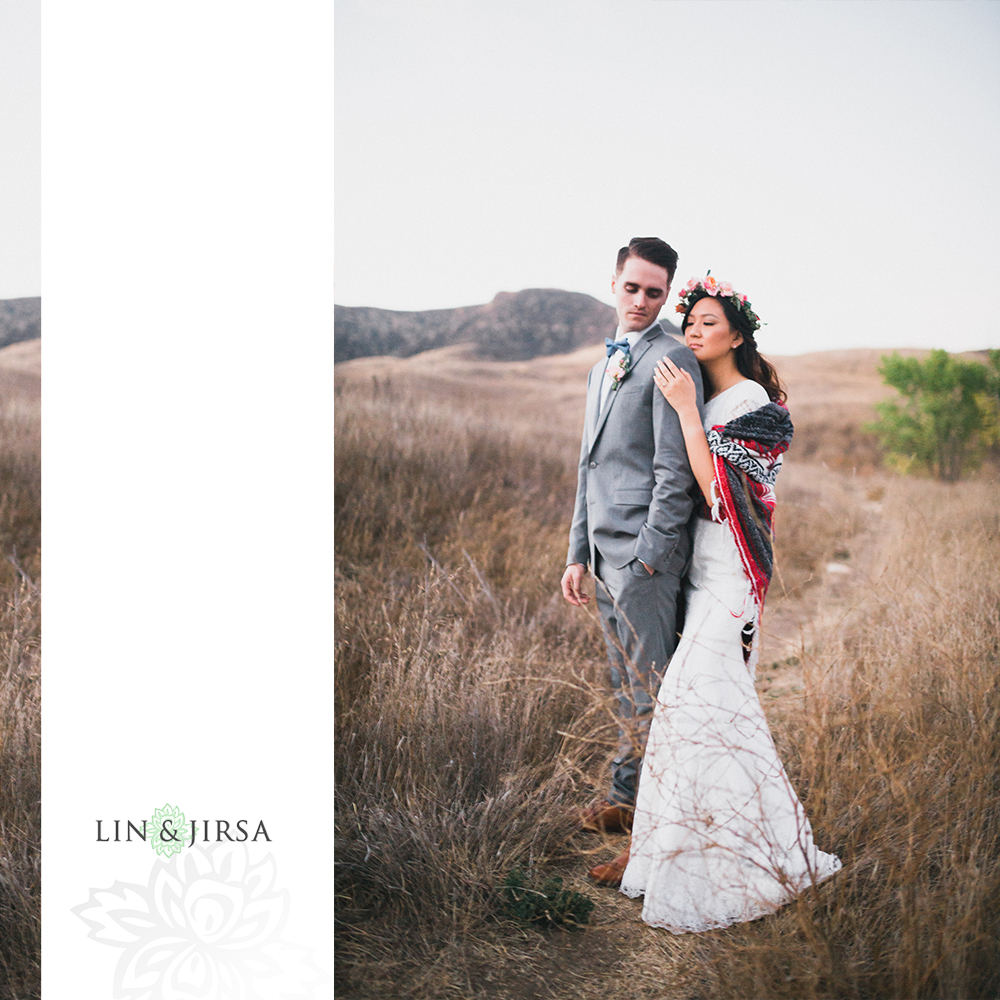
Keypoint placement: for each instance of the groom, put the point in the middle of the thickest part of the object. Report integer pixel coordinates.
(633, 502)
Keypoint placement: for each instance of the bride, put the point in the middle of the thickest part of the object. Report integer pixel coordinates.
(719, 835)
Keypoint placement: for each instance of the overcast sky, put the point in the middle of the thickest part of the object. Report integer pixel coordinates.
(20, 149)
(837, 162)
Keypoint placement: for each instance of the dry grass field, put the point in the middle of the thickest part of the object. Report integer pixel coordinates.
(20, 688)
(472, 714)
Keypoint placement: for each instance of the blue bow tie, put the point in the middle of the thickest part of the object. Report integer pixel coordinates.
(616, 345)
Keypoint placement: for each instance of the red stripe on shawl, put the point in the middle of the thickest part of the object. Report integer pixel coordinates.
(758, 578)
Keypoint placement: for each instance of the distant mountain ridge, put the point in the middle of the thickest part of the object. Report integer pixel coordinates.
(20, 319)
(515, 326)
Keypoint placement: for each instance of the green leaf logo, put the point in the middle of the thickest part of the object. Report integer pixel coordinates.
(167, 827)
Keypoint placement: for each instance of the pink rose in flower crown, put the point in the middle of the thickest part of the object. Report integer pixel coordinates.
(721, 289)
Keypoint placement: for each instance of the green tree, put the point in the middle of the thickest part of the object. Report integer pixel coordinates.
(947, 417)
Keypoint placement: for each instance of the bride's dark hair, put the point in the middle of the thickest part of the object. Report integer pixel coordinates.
(749, 361)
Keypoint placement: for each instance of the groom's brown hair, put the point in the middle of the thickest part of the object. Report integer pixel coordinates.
(652, 249)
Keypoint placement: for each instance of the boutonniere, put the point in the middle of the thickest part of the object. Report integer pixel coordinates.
(618, 367)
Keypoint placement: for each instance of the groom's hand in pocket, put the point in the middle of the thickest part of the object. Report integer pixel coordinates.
(572, 584)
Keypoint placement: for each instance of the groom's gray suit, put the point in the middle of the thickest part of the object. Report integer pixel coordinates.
(633, 505)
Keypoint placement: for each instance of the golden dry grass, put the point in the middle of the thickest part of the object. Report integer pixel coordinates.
(20, 689)
(472, 717)
(833, 394)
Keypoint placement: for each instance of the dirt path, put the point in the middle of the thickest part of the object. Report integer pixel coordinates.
(796, 624)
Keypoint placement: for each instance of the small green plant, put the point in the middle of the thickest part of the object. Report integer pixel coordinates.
(546, 903)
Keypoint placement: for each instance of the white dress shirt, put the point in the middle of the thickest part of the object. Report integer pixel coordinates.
(633, 339)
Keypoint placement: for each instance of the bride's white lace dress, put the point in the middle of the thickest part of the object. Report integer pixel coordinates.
(719, 834)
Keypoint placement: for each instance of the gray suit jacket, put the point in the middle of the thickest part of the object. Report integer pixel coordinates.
(635, 485)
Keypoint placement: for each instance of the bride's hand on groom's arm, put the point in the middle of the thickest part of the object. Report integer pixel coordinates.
(680, 392)
(572, 584)
(677, 386)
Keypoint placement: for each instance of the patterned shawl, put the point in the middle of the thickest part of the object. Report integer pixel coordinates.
(746, 454)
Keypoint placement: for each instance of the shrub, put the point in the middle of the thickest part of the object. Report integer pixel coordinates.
(948, 415)
(544, 903)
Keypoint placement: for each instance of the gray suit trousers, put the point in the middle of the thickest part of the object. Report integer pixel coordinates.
(639, 619)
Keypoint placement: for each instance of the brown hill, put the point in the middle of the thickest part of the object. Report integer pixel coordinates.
(515, 326)
(363, 331)
(21, 372)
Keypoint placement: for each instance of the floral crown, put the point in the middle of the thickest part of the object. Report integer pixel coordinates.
(719, 289)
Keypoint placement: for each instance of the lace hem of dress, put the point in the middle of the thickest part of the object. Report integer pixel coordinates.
(827, 865)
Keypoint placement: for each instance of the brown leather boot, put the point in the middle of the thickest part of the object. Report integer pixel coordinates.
(603, 817)
(611, 874)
